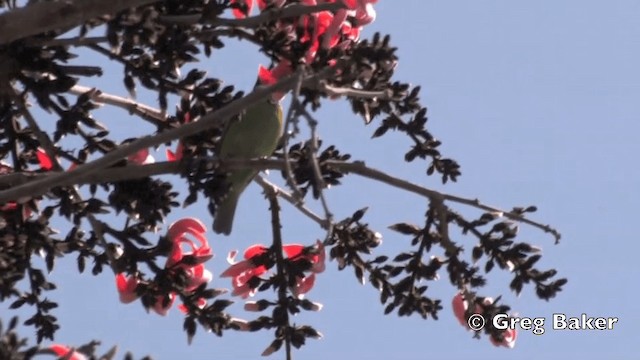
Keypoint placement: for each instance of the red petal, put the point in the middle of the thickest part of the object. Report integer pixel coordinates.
(459, 306)
(126, 286)
(293, 250)
(171, 156)
(10, 206)
(282, 69)
(161, 310)
(351, 4)
(261, 4)
(140, 157)
(330, 37)
(183, 309)
(243, 290)
(254, 250)
(188, 225)
(239, 14)
(62, 351)
(45, 161)
(265, 76)
(237, 269)
(304, 284)
(318, 265)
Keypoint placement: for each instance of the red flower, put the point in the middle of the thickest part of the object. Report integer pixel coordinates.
(509, 339)
(171, 156)
(243, 271)
(197, 274)
(160, 307)
(459, 305)
(322, 29)
(317, 259)
(270, 77)
(181, 232)
(126, 286)
(46, 163)
(177, 234)
(62, 351)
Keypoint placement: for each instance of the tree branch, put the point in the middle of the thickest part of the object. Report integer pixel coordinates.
(283, 300)
(361, 169)
(291, 120)
(266, 185)
(144, 111)
(41, 186)
(355, 93)
(74, 41)
(44, 16)
(357, 167)
(254, 21)
(317, 174)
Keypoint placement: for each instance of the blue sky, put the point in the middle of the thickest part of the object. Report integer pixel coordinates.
(537, 101)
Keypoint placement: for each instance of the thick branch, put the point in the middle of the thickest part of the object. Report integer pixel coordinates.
(254, 21)
(41, 186)
(358, 168)
(45, 16)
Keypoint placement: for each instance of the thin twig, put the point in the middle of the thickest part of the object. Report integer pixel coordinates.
(266, 184)
(442, 211)
(361, 169)
(355, 93)
(291, 120)
(133, 107)
(313, 158)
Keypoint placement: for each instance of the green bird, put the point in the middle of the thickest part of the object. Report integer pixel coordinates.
(254, 135)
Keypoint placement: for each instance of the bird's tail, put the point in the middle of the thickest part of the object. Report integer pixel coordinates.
(225, 213)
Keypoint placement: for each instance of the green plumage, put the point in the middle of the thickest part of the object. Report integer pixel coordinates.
(255, 135)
